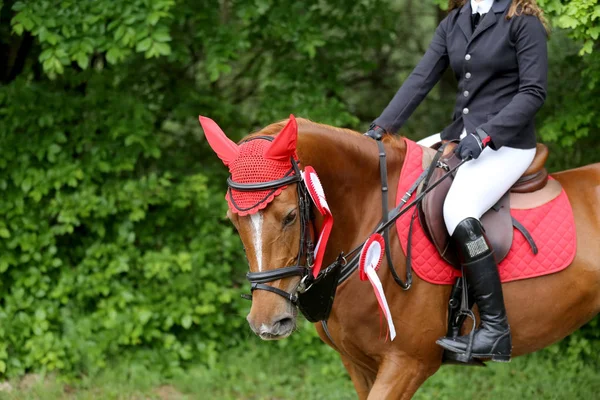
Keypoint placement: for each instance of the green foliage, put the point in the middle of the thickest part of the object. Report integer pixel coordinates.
(105, 249)
(570, 117)
(582, 17)
(544, 375)
(260, 371)
(72, 31)
(582, 348)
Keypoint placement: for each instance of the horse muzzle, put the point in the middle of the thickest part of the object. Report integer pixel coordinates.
(281, 327)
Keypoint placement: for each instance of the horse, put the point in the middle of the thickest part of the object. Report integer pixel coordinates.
(541, 311)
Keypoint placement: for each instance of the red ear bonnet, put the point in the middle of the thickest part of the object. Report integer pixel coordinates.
(284, 145)
(221, 144)
(257, 159)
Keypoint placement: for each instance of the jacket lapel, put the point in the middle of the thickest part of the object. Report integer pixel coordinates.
(464, 20)
(490, 18)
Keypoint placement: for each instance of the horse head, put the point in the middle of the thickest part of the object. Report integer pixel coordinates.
(264, 206)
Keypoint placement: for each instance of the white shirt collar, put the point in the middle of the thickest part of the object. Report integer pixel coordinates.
(481, 7)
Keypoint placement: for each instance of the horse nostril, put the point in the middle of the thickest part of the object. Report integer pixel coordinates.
(284, 325)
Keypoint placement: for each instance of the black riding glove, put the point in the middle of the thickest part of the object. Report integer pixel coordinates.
(472, 145)
(375, 132)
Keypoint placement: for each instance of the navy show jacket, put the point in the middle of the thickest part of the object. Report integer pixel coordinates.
(501, 70)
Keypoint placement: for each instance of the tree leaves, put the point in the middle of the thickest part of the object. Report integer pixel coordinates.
(101, 242)
(570, 116)
(581, 16)
(110, 27)
(143, 45)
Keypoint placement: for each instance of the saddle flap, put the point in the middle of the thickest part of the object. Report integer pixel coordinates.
(498, 227)
(497, 222)
(546, 214)
(431, 213)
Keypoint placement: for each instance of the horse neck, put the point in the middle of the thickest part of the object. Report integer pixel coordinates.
(348, 166)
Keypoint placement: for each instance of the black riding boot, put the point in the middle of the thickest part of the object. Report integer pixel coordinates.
(492, 339)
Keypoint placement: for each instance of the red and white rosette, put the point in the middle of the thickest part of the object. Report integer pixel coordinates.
(370, 259)
(317, 194)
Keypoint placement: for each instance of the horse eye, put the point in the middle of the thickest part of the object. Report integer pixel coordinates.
(290, 218)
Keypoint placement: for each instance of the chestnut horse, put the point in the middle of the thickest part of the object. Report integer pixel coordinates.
(541, 311)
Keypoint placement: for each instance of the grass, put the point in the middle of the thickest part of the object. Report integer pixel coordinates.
(268, 371)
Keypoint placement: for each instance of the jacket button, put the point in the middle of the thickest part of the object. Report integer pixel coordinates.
(466, 93)
(465, 111)
(468, 75)
(468, 57)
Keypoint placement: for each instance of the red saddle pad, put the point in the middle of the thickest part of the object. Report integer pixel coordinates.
(551, 225)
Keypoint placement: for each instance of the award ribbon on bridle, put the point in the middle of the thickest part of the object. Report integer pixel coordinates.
(370, 259)
(317, 194)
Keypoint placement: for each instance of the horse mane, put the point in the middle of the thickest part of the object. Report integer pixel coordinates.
(306, 125)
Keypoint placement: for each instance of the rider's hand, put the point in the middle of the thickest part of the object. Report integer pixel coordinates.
(375, 132)
(472, 145)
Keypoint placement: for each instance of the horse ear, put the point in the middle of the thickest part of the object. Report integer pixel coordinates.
(218, 141)
(284, 145)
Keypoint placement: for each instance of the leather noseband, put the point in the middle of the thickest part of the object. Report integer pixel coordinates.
(258, 280)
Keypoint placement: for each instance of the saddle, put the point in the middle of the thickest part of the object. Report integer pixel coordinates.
(497, 222)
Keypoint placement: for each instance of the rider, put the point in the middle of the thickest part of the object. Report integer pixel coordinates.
(497, 50)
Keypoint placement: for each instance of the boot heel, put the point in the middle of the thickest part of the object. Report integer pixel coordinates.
(501, 358)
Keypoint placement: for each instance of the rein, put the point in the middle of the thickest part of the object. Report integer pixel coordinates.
(390, 217)
(314, 295)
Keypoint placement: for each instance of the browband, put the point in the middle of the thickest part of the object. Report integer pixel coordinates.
(251, 187)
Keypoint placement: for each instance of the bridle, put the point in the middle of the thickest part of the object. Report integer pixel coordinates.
(314, 295)
(258, 280)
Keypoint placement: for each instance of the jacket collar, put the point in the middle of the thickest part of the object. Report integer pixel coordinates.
(481, 4)
(500, 6)
(464, 18)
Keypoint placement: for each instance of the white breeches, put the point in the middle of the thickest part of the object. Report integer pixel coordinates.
(480, 183)
(430, 140)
